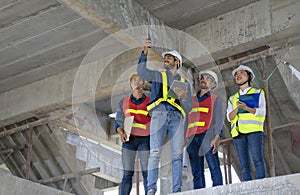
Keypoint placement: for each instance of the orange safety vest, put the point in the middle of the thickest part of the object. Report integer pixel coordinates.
(200, 117)
(141, 123)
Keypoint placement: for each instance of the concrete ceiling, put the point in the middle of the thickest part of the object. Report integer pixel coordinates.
(181, 14)
(42, 38)
(39, 39)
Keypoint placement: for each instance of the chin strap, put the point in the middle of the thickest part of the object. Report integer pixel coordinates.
(244, 83)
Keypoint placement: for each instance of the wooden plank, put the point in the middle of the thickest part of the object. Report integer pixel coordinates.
(34, 124)
(70, 175)
(107, 177)
(10, 150)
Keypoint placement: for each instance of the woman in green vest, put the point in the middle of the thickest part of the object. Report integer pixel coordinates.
(246, 112)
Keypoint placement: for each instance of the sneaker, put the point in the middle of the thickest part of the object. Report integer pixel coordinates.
(151, 192)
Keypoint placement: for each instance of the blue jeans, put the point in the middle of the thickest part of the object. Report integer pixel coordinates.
(197, 163)
(135, 143)
(163, 123)
(254, 142)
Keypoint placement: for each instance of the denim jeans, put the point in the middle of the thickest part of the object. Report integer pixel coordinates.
(197, 163)
(254, 142)
(129, 149)
(163, 123)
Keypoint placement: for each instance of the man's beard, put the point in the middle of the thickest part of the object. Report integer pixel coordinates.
(168, 66)
(203, 86)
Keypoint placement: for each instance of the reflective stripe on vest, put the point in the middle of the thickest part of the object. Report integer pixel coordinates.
(200, 117)
(143, 112)
(141, 123)
(165, 98)
(246, 122)
(199, 109)
(196, 124)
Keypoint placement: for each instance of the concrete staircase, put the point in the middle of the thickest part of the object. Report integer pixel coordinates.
(98, 155)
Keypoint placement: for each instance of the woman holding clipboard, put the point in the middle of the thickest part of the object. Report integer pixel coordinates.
(246, 112)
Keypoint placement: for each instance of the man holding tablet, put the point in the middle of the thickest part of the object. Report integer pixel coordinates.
(168, 114)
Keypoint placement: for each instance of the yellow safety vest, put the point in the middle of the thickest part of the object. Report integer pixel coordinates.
(246, 122)
(165, 98)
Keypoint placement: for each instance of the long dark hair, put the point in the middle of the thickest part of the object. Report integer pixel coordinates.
(250, 76)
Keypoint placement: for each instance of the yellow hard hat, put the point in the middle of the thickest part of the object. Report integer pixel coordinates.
(132, 75)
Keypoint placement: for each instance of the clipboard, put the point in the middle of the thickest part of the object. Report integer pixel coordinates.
(250, 100)
(128, 122)
(179, 84)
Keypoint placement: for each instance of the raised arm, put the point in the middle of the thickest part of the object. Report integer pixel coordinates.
(143, 71)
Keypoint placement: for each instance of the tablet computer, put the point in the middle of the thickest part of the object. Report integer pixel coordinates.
(179, 84)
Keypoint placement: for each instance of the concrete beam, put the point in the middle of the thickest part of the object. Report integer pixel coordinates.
(91, 15)
(111, 16)
(57, 91)
(120, 16)
(25, 9)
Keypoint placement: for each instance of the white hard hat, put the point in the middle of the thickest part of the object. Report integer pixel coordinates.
(243, 67)
(175, 54)
(211, 73)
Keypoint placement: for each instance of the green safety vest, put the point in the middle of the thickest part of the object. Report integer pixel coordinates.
(246, 122)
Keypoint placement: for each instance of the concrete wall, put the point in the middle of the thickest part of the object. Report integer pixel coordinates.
(14, 185)
(86, 118)
(255, 25)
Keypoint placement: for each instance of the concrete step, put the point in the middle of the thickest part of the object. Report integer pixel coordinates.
(287, 184)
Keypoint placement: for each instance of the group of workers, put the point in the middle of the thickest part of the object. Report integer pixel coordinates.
(195, 121)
